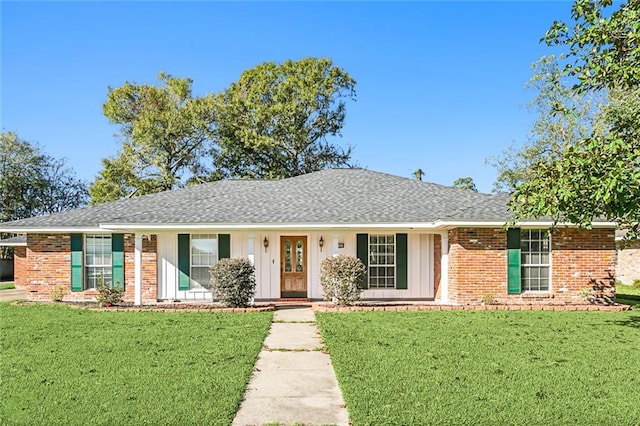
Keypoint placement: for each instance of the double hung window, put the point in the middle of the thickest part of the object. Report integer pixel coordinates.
(535, 254)
(98, 261)
(382, 261)
(204, 254)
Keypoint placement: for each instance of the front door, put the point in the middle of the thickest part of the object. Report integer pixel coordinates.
(293, 267)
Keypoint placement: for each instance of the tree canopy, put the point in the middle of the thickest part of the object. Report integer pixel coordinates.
(604, 44)
(165, 132)
(274, 121)
(597, 175)
(564, 118)
(33, 183)
(465, 183)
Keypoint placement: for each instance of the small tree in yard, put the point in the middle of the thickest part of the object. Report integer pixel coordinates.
(341, 278)
(233, 281)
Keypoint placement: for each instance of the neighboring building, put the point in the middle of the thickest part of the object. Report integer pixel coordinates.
(19, 244)
(419, 241)
(628, 262)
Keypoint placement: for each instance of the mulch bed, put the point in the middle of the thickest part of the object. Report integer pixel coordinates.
(160, 307)
(327, 307)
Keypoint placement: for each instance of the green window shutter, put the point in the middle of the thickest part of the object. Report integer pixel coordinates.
(513, 271)
(362, 251)
(117, 262)
(514, 283)
(513, 238)
(184, 249)
(76, 262)
(401, 261)
(224, 246)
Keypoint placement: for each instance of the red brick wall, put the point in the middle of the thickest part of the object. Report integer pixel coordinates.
(437, 255)
(478, 264)
(576, 256)
(46, 266)
(149, 268)
(19, 266)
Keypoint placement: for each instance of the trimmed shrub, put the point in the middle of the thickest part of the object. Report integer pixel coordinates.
(108, 296)
(233, 282)
(341, 278)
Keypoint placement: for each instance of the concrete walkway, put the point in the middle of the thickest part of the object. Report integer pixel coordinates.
(13, 294)
(293, 380)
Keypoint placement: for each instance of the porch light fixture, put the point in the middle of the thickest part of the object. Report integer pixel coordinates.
(321, 242)
(265, 243)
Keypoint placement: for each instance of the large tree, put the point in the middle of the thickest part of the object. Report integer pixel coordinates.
(564, 118)
(465, 183)
(33, 183)
(597, 176)
(275, 120)
(165, 132)
(603, 44)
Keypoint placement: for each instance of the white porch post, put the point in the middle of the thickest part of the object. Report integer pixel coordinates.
(137, 295)
(444, 267)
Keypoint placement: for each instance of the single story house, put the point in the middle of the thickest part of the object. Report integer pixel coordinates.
(419, 241)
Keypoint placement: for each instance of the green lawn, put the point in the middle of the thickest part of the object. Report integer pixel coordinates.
(78, 367)
(628, 295)
(479, 367)
(7, 285)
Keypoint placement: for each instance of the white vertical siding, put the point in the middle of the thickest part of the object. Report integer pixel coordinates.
(267, 263)
(419, 271)
(167, 265)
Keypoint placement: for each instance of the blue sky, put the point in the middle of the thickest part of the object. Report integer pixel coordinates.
(440, 85)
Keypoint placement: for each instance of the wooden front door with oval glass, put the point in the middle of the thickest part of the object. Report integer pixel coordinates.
(293, 267)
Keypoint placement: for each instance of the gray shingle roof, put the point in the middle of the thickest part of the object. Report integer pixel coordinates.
(18, 240)
(335, 196)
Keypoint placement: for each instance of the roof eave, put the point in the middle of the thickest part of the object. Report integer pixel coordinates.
(450, 224)
(51, 229)
(148, 227)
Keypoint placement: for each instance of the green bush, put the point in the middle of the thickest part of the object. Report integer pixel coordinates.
(341, 278)
(636, 283)
(233, 281)
(109, 296)
(58, 294)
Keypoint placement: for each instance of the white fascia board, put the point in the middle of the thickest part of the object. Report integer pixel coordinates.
(5, 244)
(524, 224)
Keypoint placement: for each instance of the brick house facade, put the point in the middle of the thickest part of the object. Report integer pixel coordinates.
(44, 266)
(418, 240)
(477, 266)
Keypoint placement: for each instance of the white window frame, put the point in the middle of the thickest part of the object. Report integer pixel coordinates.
(194, 284)
(91, 279)
(382, 266)
(525, 244)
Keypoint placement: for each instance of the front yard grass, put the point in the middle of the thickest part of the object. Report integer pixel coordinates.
(78, 367)
(9, 285)
(480, 367)
(627, 294)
